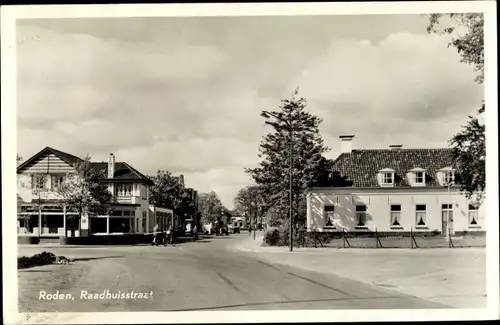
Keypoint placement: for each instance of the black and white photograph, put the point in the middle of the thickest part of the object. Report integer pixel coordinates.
(214, 162)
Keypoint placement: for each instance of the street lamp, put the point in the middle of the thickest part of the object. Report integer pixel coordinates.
(267, 115)
(450, 218)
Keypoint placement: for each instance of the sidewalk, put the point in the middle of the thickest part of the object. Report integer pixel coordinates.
(454, 277)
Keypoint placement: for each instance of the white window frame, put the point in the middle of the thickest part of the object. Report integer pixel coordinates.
(473, 211)
(418, 213)
(329, 215)
(448, 177)
(394, 212)
(384, 179)
(417, 177)
(359, 213)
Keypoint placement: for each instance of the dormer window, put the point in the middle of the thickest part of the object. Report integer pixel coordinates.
(417, 177)
(386, 177)
(447, 176)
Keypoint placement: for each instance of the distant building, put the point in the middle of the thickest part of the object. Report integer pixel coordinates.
(394, 190)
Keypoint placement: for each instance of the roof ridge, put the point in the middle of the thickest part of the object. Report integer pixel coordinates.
(398, 149)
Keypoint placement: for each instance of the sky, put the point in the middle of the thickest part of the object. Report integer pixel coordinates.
(185, 94)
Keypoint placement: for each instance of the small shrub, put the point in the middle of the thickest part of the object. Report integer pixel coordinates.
(44, 258)
(272, 236)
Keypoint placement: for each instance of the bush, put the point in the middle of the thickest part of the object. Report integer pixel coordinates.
(272, 236)
(44, 258)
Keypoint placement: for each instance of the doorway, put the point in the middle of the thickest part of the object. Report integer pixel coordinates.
(447, 219)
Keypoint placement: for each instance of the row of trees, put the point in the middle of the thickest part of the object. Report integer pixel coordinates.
(269, 197)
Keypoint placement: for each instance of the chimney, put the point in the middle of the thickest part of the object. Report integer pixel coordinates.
(345, 143)
(181, 179)
(395, 146)
(111, 166)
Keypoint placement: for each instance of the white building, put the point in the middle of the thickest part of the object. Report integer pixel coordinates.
(128, 212)
(393, 190)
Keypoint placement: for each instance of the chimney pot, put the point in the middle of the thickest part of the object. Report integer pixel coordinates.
(345, 143)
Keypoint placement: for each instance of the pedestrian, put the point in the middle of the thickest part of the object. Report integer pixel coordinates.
(169, 235)
(155, 235)
(195, 232)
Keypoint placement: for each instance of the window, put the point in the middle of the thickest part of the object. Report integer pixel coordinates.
(419, 177)
(38, 181)
(473, 215)
(448, 177)
(329, 214)
(57, 180)
(395, 215)
(387, 178)
(420, 215)
(144, 191)
(361, 216)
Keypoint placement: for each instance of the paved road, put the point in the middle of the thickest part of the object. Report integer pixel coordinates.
(204, 275)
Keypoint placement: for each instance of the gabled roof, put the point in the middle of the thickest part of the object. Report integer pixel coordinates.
(66, 157)
(361, 166)
(123, 171)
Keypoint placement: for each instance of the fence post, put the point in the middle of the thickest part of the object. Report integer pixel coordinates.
(450, 245)
(343, 237)
(315, 246)
(376, 238)
(379, 243)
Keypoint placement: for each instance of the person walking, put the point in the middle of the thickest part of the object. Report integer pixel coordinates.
(155, 235)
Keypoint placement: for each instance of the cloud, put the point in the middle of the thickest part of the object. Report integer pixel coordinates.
(188, 100)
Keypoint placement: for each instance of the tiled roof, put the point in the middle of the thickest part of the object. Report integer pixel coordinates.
(123, 172)
(361, 166)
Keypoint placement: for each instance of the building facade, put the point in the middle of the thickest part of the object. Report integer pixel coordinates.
(43, 212)
(394, 190)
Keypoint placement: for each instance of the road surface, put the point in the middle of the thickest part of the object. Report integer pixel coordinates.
(203, 275)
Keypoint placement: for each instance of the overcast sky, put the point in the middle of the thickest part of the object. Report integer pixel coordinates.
(185, 94)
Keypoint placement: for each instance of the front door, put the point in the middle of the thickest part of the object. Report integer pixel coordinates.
(447, 219)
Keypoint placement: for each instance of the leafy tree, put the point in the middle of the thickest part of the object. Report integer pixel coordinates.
(470, 43)
(83, 191)
(309, 167)
(469, 148)
(38, 187)
(167, 191)
(469, 155)
(250, 204)
(210, 207)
